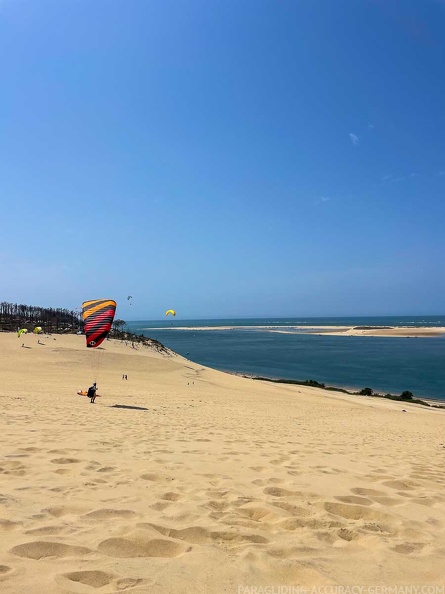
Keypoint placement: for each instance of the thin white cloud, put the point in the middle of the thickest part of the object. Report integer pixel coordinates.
(440, 173)
(370, 126)
(322, 200)
(390, 179)
(354, 138)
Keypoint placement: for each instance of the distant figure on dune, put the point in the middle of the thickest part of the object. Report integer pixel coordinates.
(92, 393)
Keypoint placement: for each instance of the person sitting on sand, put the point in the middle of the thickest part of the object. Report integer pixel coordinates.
(92, 392)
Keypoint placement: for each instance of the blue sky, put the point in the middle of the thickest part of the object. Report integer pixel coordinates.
(224, 158)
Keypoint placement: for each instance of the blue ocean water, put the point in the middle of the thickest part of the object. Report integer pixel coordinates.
(253, 346)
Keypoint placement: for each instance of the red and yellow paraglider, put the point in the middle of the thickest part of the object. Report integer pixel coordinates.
(98, 316)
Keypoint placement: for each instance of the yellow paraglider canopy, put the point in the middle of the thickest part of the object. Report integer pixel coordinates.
(22, 331)
(170, 311)
(38, 330)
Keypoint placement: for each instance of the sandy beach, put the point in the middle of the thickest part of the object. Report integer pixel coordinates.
(184, 479)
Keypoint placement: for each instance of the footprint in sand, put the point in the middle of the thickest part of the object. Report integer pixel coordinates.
(356, 512)
(65, 461)
(170, 496)
(293, 510)
(124, 583)
(217, 505)
(292, 552)
(106, 469)
(193, 535)
(354, 499)
(59, 511)
(388, 501)
(42, 549)
(93, 578)
(160, 505)
(259, 482)
(312, 523)
(96, 579)
(408, 548)
(5, 571)
(279, 492)
(63, 471)
(109, 514)
(401, 485)
(13, 468)
(275, 481)
(51, 530)
(428, 501)
(9, 525)
(138, 546)
(201, 535)
(258, 514)
(347, 534)
(157, 478)
(368, 492)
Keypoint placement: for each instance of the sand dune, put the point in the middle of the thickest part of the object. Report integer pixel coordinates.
(185, 479)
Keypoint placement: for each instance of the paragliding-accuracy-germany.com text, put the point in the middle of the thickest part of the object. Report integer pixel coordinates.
(284, 589)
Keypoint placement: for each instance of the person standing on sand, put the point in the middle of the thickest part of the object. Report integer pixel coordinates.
(92, 393)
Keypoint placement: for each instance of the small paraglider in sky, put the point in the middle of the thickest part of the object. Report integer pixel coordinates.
(170, 311)
(129, 297)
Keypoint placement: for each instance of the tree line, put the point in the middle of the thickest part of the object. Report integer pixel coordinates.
(57, 320)
(51, 319)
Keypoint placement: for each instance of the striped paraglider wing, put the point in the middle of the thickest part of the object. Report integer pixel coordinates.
(98, 316)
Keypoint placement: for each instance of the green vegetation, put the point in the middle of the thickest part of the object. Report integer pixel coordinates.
(373, 327)
(405, 396)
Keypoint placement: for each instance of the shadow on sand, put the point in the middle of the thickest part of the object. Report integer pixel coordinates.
(129, 407)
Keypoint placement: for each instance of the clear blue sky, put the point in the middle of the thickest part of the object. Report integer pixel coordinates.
(225, 157)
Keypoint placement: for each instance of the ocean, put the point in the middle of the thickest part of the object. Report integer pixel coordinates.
(383, 364)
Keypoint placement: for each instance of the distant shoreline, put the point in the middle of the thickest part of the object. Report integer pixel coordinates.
(376, 331)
